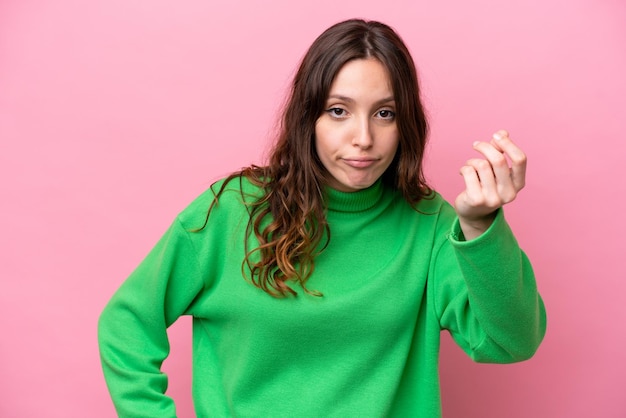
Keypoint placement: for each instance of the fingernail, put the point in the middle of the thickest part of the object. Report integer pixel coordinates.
(476, 143)
(497, 136)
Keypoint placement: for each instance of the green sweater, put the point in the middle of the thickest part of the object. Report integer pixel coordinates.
(392, 278)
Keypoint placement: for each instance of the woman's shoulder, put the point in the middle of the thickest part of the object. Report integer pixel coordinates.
(432, 204)
(435, 214)
(226, 196)
(237, 187)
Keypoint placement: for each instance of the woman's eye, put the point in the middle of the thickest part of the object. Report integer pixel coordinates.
(336, 112)
(386, 114)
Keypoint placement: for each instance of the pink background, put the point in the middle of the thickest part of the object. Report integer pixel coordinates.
(116, 114)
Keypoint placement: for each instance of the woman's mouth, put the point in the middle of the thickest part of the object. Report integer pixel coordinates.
(359, 162)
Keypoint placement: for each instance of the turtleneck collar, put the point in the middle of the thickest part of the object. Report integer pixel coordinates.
(354, 201)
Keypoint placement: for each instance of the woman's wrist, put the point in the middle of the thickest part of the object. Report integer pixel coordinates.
(475, 227)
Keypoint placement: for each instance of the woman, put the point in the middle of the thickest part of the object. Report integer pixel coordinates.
(319, 283)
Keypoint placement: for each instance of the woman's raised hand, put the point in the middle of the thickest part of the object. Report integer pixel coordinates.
(490, 183)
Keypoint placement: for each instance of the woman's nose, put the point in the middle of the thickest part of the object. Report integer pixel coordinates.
(363, 135)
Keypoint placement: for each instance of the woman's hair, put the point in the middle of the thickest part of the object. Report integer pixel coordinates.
(289, 220)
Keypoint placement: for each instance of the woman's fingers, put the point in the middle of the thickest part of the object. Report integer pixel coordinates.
(490, 182)
(487, 193)
(508, 179)
(473, 189)
(502, 142)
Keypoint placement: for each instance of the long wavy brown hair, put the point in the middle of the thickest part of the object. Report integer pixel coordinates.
(289, 220)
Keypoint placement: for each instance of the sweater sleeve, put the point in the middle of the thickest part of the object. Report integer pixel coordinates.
(486, 295)
(132, 329)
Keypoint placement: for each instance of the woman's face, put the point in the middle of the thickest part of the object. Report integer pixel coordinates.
(356, 137)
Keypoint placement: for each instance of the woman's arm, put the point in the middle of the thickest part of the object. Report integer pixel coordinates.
(485, 294)
(132, 330)
(484, 285)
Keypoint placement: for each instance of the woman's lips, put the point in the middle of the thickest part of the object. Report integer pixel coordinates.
(359, 162)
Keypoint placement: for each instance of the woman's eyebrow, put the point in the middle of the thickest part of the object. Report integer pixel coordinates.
(351, 100)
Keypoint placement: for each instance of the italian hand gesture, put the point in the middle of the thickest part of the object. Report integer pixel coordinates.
(490, 182)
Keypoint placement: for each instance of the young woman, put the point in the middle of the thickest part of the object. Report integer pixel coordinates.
(319, 283)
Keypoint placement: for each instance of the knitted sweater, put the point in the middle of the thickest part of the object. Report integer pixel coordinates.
(392, 278)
